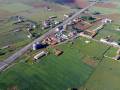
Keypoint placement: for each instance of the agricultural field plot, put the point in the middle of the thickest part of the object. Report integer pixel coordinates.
(41, 13)
(112, 52)
(105, 77)
(71, 69)
(4, 13)
(108, 7)
(15, 40)
(109, 30)
(15, 7)
(11, 37)
(105, 10)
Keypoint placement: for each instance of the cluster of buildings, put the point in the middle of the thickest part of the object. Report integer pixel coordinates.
(82, 27)
(51, 22)
(23, 23)
(78, 26)
(17, 19)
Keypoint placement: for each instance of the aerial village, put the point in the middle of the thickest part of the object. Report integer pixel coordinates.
(52, 46)
(87, 25)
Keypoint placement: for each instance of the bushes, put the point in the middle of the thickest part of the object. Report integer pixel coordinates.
(2, 52)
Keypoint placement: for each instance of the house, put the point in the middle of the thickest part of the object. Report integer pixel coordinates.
(72, 34)
(51, 40)
(17, 30)
(106, 20)
(17, 19)
(30, 36)
(52, 17)
(66, 15)
(46, 24)
(117, 57)
(31, 25)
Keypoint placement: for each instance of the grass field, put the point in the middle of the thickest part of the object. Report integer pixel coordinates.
(55, 73)
(40, 14)
(112, 52)
(15, 7)
(105, 77)
(109, 30)
(105, 10)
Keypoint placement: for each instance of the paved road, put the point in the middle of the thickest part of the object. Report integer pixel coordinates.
(19, 53)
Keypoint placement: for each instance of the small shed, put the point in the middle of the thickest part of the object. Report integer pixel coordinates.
(58, 52)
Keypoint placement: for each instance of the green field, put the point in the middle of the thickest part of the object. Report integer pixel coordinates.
(105, 77)
(15, 7)
(55, 73)
(105, 10)
(109, 30)
(112, 52)
(42, 14)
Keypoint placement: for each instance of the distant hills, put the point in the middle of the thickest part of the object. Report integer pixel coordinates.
(62, 1)
(31, 1)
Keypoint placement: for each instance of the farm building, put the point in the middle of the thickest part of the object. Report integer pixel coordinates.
(39, 55)
(106, 20)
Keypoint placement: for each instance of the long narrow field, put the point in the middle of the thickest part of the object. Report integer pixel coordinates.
(15, 7)
(107, 7)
